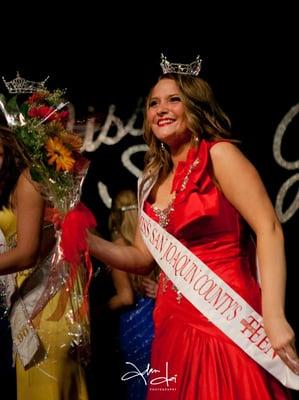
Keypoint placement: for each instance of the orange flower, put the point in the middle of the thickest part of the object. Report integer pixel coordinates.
(74, 141)
(58, 154)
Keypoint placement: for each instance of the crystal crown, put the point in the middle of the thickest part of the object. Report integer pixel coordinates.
(184, 69)
(20, 85)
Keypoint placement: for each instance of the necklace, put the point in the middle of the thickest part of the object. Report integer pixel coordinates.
(164, 217)
(164, 214)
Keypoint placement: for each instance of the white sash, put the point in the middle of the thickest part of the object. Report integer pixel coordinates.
(25, 339)
(214, 298)
(24, 303)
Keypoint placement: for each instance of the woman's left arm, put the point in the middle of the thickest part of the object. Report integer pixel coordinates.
(29, 207)
(242, 186)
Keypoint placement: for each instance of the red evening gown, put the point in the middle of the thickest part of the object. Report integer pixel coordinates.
(195, 360)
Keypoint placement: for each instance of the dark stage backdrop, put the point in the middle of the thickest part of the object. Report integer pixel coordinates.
(256, 82)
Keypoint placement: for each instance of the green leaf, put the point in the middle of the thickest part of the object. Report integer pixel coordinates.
(12, 105)
(35, 175)
(24, 109)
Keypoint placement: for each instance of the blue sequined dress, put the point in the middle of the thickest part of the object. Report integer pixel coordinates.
(136, 333)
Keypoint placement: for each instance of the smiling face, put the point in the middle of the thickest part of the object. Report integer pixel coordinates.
(166, 114)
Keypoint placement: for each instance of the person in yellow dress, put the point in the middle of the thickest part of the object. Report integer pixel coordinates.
(41, 316)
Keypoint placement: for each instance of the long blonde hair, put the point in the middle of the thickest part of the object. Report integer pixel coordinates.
(204, 116)
(122, 222)
(124, 216)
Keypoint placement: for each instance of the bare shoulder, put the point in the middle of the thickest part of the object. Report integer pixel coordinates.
(26, 183)
(226, 156)
(240, 182)
(223, 150)
(27, 192)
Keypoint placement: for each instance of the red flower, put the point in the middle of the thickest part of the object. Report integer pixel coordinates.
(36, 97)
(44, 111)
(41, 112)
(63, 115)
(80, 164)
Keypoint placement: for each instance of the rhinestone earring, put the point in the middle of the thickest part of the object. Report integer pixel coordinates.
(194, 139)
(162, 145)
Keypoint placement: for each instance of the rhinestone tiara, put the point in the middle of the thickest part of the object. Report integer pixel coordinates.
(20, 85)
(184, 69)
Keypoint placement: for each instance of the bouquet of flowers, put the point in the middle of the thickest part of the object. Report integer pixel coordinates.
(52, 152)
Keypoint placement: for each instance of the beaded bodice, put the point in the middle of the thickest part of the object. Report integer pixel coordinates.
(163, 215)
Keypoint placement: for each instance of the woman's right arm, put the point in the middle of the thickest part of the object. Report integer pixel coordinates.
(132, 258)
(124, 291)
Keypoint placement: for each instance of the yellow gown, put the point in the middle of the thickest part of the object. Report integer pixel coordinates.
(55, 373)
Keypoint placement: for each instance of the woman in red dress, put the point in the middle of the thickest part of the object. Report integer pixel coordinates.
(208, 196)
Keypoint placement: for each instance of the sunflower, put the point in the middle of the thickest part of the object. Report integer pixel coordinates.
(58, 154)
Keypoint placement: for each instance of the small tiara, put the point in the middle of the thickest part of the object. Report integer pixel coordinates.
(183, 69)
(128, 208)
(20, 85)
